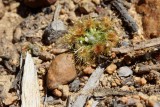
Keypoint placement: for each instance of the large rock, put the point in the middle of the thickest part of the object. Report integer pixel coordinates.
(61, 71)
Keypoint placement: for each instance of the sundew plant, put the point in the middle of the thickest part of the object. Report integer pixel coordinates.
(91, 37)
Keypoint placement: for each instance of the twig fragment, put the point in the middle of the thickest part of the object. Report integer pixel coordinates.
(141, 45)
(125, 16)
(91, 84)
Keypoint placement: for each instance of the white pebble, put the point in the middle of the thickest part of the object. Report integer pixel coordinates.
(124, 71)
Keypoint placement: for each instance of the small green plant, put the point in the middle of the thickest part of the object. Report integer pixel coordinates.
(90, 37)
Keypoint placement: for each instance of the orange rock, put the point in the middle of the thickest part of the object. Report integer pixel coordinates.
(143, 81)
(152, 100)
(125, 88)
(88, 70)
(143, 96)
(38, 3)
(111, 68)
(57, 93)
(61, 71)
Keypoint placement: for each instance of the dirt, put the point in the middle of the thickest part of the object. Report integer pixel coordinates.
(150, 17)
(23, 28)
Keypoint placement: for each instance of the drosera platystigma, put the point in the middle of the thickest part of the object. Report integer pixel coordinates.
(91, 37)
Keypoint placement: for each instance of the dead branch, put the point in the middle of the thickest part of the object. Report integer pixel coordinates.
(91, 84)
(141, 45)
(125, 15)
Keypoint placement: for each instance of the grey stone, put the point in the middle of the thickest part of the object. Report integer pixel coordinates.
(124, 71)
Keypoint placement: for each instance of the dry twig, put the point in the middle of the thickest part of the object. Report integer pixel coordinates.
(91, 84)
(30, 90)
(142, 45)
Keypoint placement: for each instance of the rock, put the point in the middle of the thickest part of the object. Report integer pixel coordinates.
(71, 5)
(152, 100)
(45, 56)
(118, 82)
(143, 96)
(74, 86)
(13, 6)
(137, 80)
(61, 71)
(111, 68)
(139, 104)
(58, 51)
(125, 88)
(113, 84)
(57, 93)
(40, 82)
(8, 51)
(85, 7)
(124, 100)
(72, 16)
(140, 81)
(124, 71)
(89, 103)
(88, 70)
(65, 91)
(97, 2)
(17, 34)
(35, 50)
(2, 9)
(37, 3)
(53, 31)
(143, 81)
(10, 99)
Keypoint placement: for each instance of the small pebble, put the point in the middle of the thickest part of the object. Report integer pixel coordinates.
(113, 84)
(140, 81)
(152, 100)
(85, 78)
(89, 103)
(40, 82)
(46, 56)
(124, 100)
(58, 51)
(111, 68)
(74, 86)
(104, 82)
(17, 34)
(118, 82)
(65, 91)
(139, 104)
(125, 88)
(57, 93)
(124, 71)
(143, 96)
(88, 70)
(143, 81)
